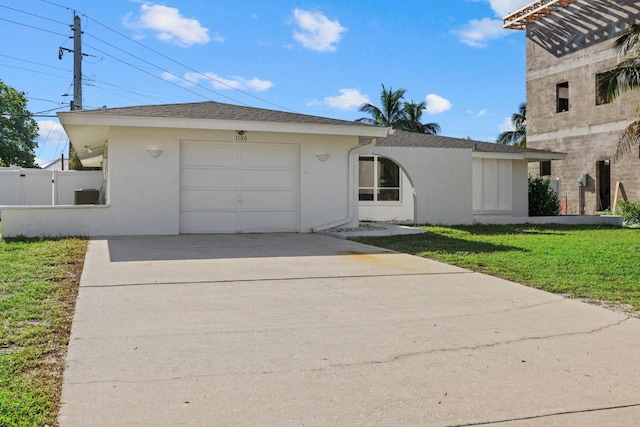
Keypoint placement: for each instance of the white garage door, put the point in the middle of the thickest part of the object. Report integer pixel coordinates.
(232, 188)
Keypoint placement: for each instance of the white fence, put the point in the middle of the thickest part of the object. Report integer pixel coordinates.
(44, 187)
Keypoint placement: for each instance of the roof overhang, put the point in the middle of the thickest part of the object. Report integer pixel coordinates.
(89, 132)
(529, 156)
(534, 11)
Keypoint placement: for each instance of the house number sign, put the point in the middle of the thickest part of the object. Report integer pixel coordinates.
(242, 138)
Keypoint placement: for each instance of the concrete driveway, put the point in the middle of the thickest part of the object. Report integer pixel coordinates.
(306, 329)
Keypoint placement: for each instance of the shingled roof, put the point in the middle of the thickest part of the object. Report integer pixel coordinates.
(412, 139)
(218, 111)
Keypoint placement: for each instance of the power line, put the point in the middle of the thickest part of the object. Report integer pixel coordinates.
(151, 74)
(32, 71)
(34, 15)
(31, 26)
(35, 63)
(157, 67)
(183, 65)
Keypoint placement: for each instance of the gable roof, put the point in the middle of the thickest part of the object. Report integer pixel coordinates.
(89, 128)
(210, 110)
(480, 148)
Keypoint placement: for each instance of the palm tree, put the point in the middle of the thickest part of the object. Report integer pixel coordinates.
(396, 114)
(624, 77)
(391, 114)
(413, 118)
(518, 136)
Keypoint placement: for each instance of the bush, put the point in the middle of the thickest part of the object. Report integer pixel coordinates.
(629, 211)
(543, 200)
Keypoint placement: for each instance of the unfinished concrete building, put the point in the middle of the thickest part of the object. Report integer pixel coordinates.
(569, 43)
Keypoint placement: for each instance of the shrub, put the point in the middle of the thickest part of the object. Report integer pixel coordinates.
(629, 211)
(543, 199)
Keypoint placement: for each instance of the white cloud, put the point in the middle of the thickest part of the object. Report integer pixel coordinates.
(478, 32)
(349, 99)
(50, 132)
(505, 7)
(506, 125)
(316, 32)
(477, 114)
(169, 25)
(437, 104)
(217, 82)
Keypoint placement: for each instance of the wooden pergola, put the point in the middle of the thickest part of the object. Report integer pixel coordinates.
(519, 19)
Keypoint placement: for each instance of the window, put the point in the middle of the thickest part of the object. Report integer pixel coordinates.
(562, 97)
(545, 168)
(599, 100)
(379, 179)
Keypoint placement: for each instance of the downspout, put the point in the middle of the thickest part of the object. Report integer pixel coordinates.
(351, 178)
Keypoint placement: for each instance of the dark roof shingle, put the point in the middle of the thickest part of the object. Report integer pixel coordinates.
(413, 139)
(218, 111)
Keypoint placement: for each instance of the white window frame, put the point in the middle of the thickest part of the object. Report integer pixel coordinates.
(376, 179)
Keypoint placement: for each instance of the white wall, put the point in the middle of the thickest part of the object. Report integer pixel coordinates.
(500, 187)
(44, 187)
(142, 195)
(398, 212)
(492, 186)
(442, 179)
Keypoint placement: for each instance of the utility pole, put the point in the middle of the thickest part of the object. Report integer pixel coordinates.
(77, 64)
(76, 104)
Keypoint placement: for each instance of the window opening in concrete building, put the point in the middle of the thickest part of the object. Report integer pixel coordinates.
(603, 184)
(379, 179)
(562, 97)
(599, 100)
(545, 168)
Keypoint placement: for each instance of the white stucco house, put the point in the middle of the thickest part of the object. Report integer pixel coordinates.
(218, 168)
(429, 179)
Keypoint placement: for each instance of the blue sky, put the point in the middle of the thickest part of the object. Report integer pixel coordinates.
(322, 57)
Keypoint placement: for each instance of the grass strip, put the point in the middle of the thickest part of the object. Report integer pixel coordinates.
(39, 281)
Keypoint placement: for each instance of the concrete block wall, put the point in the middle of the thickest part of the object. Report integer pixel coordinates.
(574, 46)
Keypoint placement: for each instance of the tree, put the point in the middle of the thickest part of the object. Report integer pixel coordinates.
(518, 136)
(413, 119)
(392, 112)
(397, 114)
(18, 129)
(624, 77)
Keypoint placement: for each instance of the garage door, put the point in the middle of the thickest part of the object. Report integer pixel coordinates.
(231, 188)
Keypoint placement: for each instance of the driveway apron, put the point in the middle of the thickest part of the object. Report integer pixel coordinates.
(308, 329)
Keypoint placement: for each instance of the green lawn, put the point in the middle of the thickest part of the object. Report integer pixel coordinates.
(38, 288)
(592, 262)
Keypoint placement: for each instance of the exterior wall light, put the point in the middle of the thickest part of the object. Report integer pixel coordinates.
(322, 156)
(154, 153)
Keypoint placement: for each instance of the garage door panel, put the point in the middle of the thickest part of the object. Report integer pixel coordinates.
(209, 222)
(255, 222)
(206, 155)
(203, 200)
(280, 157)
(231, 187)
(268, 201)
(221, 178)
(267, 179)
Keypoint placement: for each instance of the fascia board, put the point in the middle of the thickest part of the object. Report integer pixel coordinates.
(212, 124)
(529, 156)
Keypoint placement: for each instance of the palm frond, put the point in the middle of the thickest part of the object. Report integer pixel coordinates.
(629, 139)
(624, 77)
(628, 40)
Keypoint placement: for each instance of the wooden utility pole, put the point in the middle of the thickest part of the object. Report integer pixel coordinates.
(77, 64)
